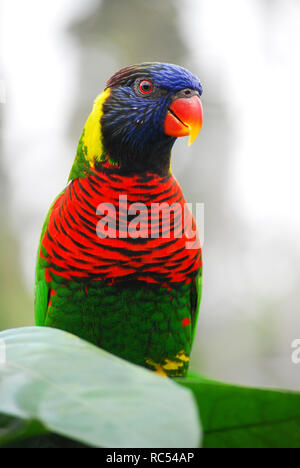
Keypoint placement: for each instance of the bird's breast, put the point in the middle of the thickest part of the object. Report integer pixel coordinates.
(116, 228)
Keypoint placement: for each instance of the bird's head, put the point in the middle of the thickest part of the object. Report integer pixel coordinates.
(136, 120)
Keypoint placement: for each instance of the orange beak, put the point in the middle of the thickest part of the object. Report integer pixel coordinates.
(184, 117)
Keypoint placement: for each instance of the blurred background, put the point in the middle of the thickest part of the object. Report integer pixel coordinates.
(55, 57)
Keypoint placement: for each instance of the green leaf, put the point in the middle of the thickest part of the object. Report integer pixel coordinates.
(240, 417)
(14, 429)
(59, 383)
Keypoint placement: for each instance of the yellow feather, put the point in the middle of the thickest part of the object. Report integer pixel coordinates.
(92, 136)
(169, 364)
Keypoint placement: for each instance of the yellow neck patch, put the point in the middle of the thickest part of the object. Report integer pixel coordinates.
(92, 136)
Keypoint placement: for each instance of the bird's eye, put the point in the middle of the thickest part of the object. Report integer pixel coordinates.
(145, 87)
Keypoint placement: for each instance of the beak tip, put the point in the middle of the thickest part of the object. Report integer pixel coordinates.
(193, 136)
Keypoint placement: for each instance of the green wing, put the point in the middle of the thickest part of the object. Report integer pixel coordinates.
(42, 289)
(196, 291)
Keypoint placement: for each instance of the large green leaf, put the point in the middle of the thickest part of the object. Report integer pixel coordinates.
(56, 382)
(240, 417)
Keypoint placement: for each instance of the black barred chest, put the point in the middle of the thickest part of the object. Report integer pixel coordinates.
(123, 231)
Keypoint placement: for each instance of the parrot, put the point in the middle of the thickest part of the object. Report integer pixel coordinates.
(119, 262)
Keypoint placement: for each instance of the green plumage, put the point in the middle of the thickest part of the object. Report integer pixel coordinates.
(139, 322)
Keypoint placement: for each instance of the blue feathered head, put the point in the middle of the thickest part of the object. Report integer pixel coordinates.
(142, 111)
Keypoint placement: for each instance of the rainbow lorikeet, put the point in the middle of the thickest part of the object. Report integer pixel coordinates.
(119, 262)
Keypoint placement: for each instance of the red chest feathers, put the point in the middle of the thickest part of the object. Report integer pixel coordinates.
(112, 228)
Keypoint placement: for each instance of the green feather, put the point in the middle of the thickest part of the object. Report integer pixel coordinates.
(42, 290)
